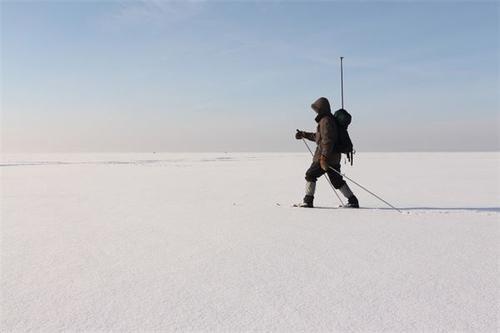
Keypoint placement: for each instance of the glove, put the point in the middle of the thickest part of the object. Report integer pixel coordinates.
(299, 135)
(323, 162)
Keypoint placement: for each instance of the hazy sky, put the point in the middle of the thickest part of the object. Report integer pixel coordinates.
(240, 76)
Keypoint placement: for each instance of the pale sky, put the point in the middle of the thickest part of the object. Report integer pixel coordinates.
(114, 76)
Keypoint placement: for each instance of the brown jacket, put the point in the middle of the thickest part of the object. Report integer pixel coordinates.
(326, 132)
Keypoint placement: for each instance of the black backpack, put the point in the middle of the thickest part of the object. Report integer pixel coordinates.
(344, 144)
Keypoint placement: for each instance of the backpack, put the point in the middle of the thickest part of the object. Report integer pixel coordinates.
(344, 144)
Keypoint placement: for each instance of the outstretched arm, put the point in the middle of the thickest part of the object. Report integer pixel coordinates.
(310, 136)
(305, 135)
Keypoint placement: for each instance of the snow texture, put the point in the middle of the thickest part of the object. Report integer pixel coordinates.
(210, 242)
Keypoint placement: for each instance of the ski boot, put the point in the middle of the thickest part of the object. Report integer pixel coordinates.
(352, 202)
(308, 202)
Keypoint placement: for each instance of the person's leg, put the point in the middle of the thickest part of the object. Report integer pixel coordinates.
(339, 183)
(312, 175)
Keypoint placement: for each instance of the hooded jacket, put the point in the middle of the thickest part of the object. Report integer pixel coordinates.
(326, 135)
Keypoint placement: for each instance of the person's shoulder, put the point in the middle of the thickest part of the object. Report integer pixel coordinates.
(327, 119)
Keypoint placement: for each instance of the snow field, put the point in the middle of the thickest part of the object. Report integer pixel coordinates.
(209, 242)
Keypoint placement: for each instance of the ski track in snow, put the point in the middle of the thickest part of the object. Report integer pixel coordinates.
(210, 242)
(132, 162)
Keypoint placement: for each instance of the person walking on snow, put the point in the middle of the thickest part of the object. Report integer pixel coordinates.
(326, 137)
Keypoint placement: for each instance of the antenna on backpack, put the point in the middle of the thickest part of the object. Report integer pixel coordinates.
(350, 155)
(342, 80)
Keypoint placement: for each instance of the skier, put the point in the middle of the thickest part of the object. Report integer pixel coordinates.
(325, 155)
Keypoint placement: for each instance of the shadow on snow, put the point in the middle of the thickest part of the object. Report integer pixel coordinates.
(436, 209)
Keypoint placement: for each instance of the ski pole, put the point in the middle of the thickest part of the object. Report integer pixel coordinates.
(329, 182)
(367, 190)
(342, 81)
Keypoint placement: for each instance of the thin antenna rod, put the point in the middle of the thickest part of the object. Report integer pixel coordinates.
(342, 80)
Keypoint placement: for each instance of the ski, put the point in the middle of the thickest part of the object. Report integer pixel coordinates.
(298, 205)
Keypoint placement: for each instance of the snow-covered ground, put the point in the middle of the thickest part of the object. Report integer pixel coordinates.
(209, 242)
